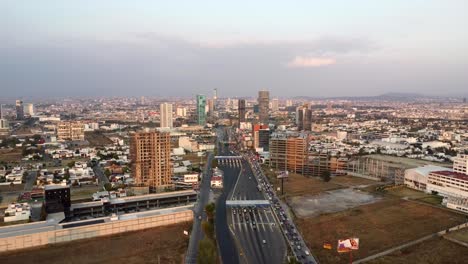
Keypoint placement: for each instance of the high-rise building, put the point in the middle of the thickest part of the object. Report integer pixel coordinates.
(215, 98)
(261, 136)
(69, 130)
(3, 123)
(304, 118)
(57, 199)
(19, 110)
(241, 108)
(166, 115)
(1, 111)
(263, 102)
(181, 111)
(28, 109)
(210, 106)
(289, 103)
(201, 114)
(150, 153)
(275, 105)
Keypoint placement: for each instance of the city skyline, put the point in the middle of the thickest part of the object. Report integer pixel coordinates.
(168, 49)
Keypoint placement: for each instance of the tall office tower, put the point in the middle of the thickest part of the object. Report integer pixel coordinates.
(1, 111)
(210, 106)
(166, 115)
(263, 101)
(241, 108)
(215, 98)
(261, 136)
(150, 153)
(201, 104)
(304, 118)
(289, 103)
(275, 105)
(28, 109)
(19, 110)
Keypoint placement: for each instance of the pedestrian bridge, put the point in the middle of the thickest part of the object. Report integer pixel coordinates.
(240, 203)
(228, 157)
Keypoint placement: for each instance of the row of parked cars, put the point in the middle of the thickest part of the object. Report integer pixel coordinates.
(296, 242)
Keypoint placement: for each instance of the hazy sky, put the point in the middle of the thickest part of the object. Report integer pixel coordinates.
(170, 48)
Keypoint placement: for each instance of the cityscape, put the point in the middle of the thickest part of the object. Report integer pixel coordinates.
(117, 149)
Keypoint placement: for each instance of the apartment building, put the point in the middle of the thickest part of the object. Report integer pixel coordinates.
(460, 164)
(70, 130)
(150, 153)
(448, 183)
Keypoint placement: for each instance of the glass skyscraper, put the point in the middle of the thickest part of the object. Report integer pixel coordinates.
(201, 105)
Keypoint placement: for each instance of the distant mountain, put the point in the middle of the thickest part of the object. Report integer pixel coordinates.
(382, 97)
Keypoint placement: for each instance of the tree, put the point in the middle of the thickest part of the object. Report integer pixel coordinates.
(326, 176)
(108, 173)
(108, 186)
(206, 252)
(208, 229)
(210, 210)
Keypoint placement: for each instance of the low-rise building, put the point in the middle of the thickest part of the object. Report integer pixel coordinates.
(448, 183)
(416, 178)
(17, 212)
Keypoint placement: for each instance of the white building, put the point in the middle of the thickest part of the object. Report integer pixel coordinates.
(17, 212)
(460, 164)
(181, 111)
(448, 183)
(216, 182)
(166, 115)
(416, 178)
(28, 109)
(460, 204)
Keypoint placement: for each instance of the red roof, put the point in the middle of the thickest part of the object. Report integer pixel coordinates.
(216, 178)
(452, 174)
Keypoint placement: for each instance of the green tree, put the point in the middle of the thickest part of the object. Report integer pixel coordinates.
(108, 186)
(326, 176)
(208, 229)
(71, 164)
(206, 252)
(210, 211)
(108, 173)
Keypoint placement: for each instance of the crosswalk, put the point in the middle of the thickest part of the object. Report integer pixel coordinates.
(233, 163)
(262, 220)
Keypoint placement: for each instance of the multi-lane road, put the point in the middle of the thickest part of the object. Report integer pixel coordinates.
(254, 227)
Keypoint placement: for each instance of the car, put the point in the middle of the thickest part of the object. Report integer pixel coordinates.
(264, 241)
(307, 252)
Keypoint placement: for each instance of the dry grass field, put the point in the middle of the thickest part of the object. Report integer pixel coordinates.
(166, 244)
(434, 251)
(379, 226)
(11, 155)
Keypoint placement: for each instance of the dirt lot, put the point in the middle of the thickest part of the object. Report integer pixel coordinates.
(379, 226)
(97, 139)
(415, 195)
(437, 250)
(10, 155)
(297, 185)
(166, 243)
(461, 235)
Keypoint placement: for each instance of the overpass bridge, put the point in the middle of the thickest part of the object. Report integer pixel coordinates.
(228, 157)
(246, 203)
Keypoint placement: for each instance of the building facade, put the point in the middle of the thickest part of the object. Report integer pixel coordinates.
(263, 106)
(28, 109)
(304, 118)
(150, 153)
(69, 130)
(200, 110)
(460, 164)
(19, 110)
(241, 109)
(166, 115)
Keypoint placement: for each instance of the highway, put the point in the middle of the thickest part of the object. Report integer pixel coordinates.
(254, 231)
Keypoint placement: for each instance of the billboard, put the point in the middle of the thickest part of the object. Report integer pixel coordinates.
(327, 245)
(346, 245)
(283, 174)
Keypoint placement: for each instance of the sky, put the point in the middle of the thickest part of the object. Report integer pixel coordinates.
(87, 48)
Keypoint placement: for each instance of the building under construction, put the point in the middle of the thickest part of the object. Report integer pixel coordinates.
(290, 151)
(150, 153)
(379, 168)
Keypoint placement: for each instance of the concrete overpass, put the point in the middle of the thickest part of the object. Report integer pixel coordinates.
(240, 203)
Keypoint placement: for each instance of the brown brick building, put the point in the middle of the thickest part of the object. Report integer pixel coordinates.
(150, 153)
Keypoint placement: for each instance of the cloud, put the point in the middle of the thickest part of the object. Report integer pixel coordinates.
(305, 62)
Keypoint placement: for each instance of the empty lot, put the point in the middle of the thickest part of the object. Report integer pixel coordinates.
(379, 226)
(168, 244)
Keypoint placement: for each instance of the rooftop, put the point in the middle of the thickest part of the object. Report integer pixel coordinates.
(452, 174)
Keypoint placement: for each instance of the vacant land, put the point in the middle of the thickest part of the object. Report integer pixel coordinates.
(329, 202)
(157, 245)
(379, 226)
(11, 155)
(298, 185)
(97, 139)
(461, 235)
(86, 192)
(437, 250)
(408, 193)
(11, 188)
